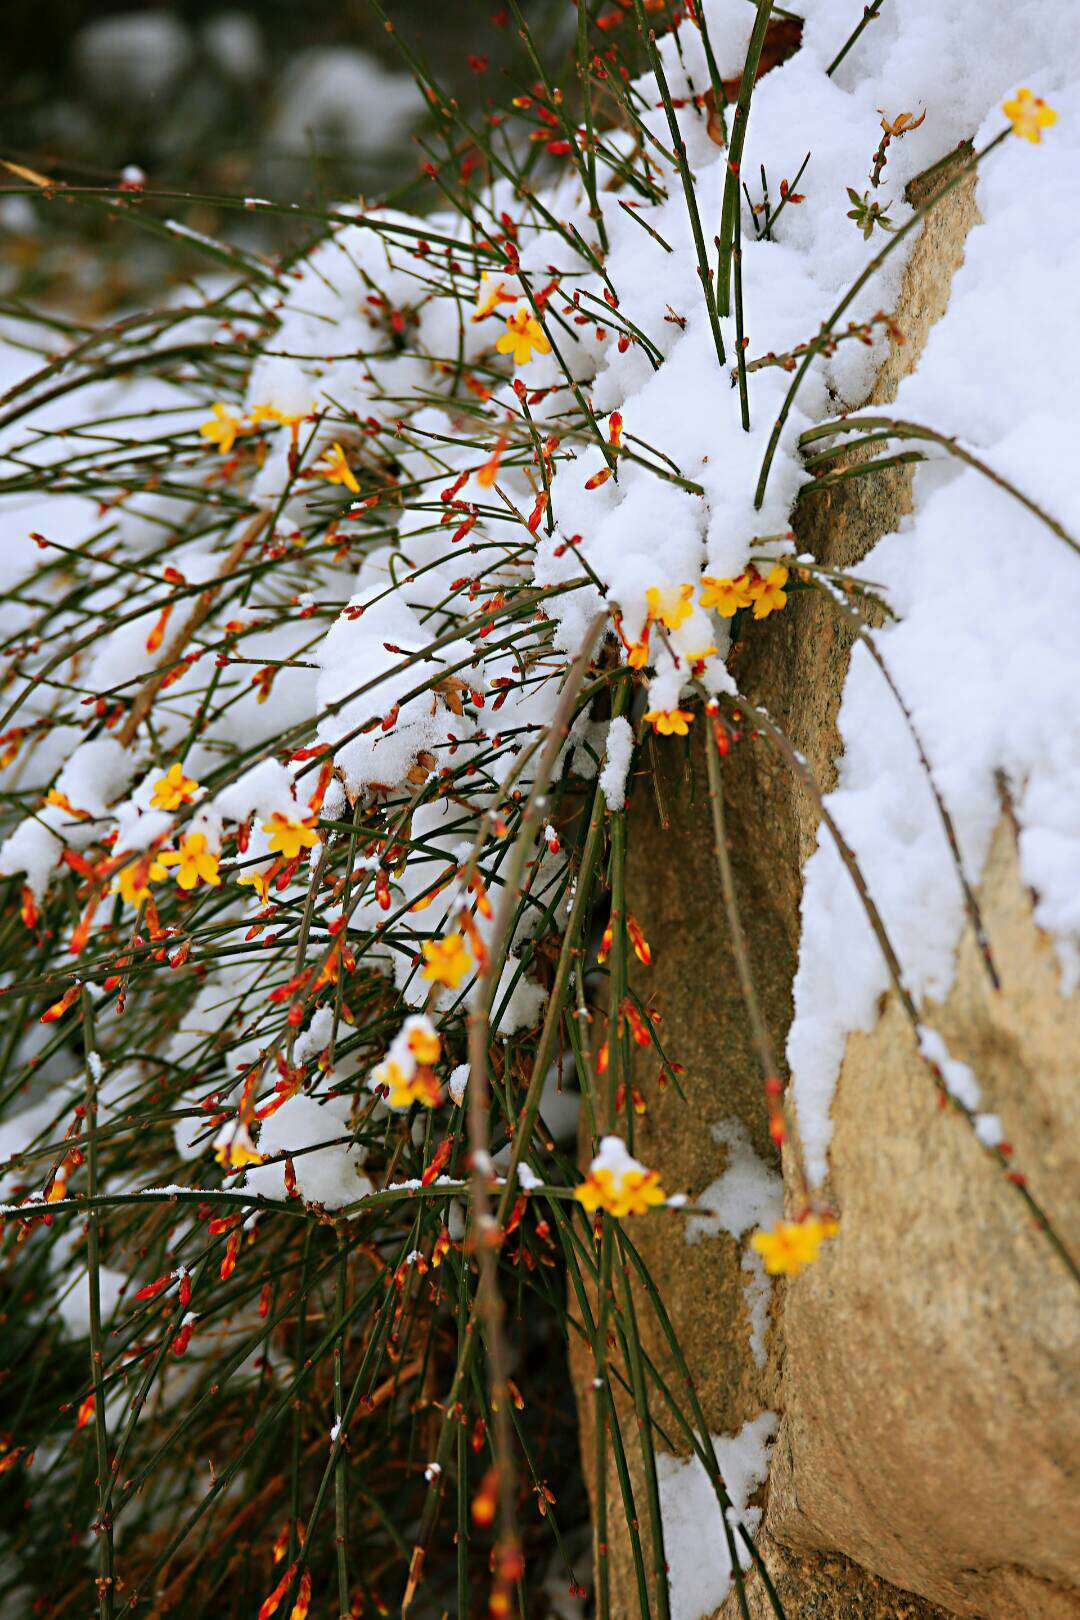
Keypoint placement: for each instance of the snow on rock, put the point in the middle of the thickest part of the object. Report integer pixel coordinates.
(695, 1546)
(985, 651)
(749, 1193)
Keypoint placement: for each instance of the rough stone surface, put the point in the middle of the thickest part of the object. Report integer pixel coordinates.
(922, 1366)
(930, 1383)
(826, 1586)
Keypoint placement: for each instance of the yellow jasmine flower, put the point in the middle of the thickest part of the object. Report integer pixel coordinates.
(670, 722)
(671, 605)
(726, 596)
(270, 413)
(768, 594)
(195, 861)
(491, 292)
(792, 1245)
(173, 789)
(446, 961)
(523, 334)
(405, 1089)
(222, 429)
(406, 1072)
(234, 1149)
(257, 879)
(289, 837)
(133, 882)
(618, 1183)
(1029, 115)
(337, 470)
(424, 1043)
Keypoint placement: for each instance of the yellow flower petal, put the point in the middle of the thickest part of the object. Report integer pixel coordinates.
(446, 961)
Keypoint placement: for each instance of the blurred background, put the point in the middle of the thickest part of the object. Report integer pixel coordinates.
(295, 100)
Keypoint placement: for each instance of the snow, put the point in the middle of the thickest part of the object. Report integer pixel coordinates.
(748, 1194)
(988, 665)
(355, 660)
(455, 1085)
(960, 1082)
(614, 1156)
(618, 751)
(92, 776)
(130, 59)
(327, 1168)
(233, 39)
(699, 1566)
(339, 98)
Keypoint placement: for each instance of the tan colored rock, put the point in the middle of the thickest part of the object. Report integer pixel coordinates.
(826, 1586)
(924, 1366)
(674, 893)
(931, 1423)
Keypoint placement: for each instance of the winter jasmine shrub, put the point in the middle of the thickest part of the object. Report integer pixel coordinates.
(346, 600)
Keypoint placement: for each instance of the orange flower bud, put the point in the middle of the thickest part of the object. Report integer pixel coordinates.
(303, 1598)
(152, 1290)
(642, 949)
(485, 1501)
(59, 1008)
(272, 1603)
(157, 634)
(232, 1249)
(182, 1339)
(442, 1154)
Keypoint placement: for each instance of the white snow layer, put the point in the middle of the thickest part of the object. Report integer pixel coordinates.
(699, 1565)
(985, 651)
(748, 1193)
(620, 747)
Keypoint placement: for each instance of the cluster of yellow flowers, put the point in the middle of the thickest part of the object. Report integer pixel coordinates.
(764, 594)
(617, 1183)
(194, 860)
(671, 606)
(524, 336)
(224, 428)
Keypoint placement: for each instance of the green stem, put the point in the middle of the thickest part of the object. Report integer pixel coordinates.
(731, 204)
(103, 1528)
